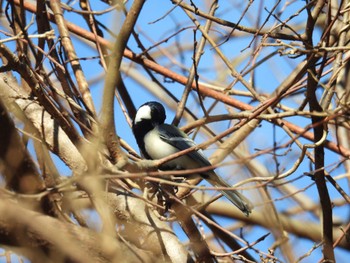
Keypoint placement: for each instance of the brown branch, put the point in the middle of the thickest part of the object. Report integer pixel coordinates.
(300, 228)
(144, 229)
(33, 82)
(114, 79)
(72, 56)
(17, 165)
(95, 29)
(45, 239)
(198, 244)
(68, 88)
(31, 112)
(236, 26)
(197, 54)
(229, 240)
(319, 130)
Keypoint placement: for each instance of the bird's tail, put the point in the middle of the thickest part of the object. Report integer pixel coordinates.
(234, 196)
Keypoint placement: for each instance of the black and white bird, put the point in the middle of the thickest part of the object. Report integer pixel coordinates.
(158, 140)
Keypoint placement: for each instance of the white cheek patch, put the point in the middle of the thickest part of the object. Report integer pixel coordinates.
(143, 113)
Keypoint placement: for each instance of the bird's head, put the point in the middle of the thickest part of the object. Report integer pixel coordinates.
(151, 112)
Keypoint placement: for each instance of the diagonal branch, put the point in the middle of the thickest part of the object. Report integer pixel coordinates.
(113, 80)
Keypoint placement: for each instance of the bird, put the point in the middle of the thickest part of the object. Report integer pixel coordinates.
(158, 140)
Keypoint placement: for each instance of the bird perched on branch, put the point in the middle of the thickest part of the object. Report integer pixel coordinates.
(157, 140)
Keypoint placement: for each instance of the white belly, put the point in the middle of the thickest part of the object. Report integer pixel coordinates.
(158, 149)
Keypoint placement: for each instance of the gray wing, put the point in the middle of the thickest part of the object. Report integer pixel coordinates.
(178, 139)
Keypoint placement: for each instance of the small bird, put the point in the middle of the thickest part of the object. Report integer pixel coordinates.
(157, 140)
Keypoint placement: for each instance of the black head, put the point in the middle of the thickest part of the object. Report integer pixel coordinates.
(148, 116)
(151, 112)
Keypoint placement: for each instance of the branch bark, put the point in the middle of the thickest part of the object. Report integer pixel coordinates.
(31, 112)
(42, 238)
(113, 80)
